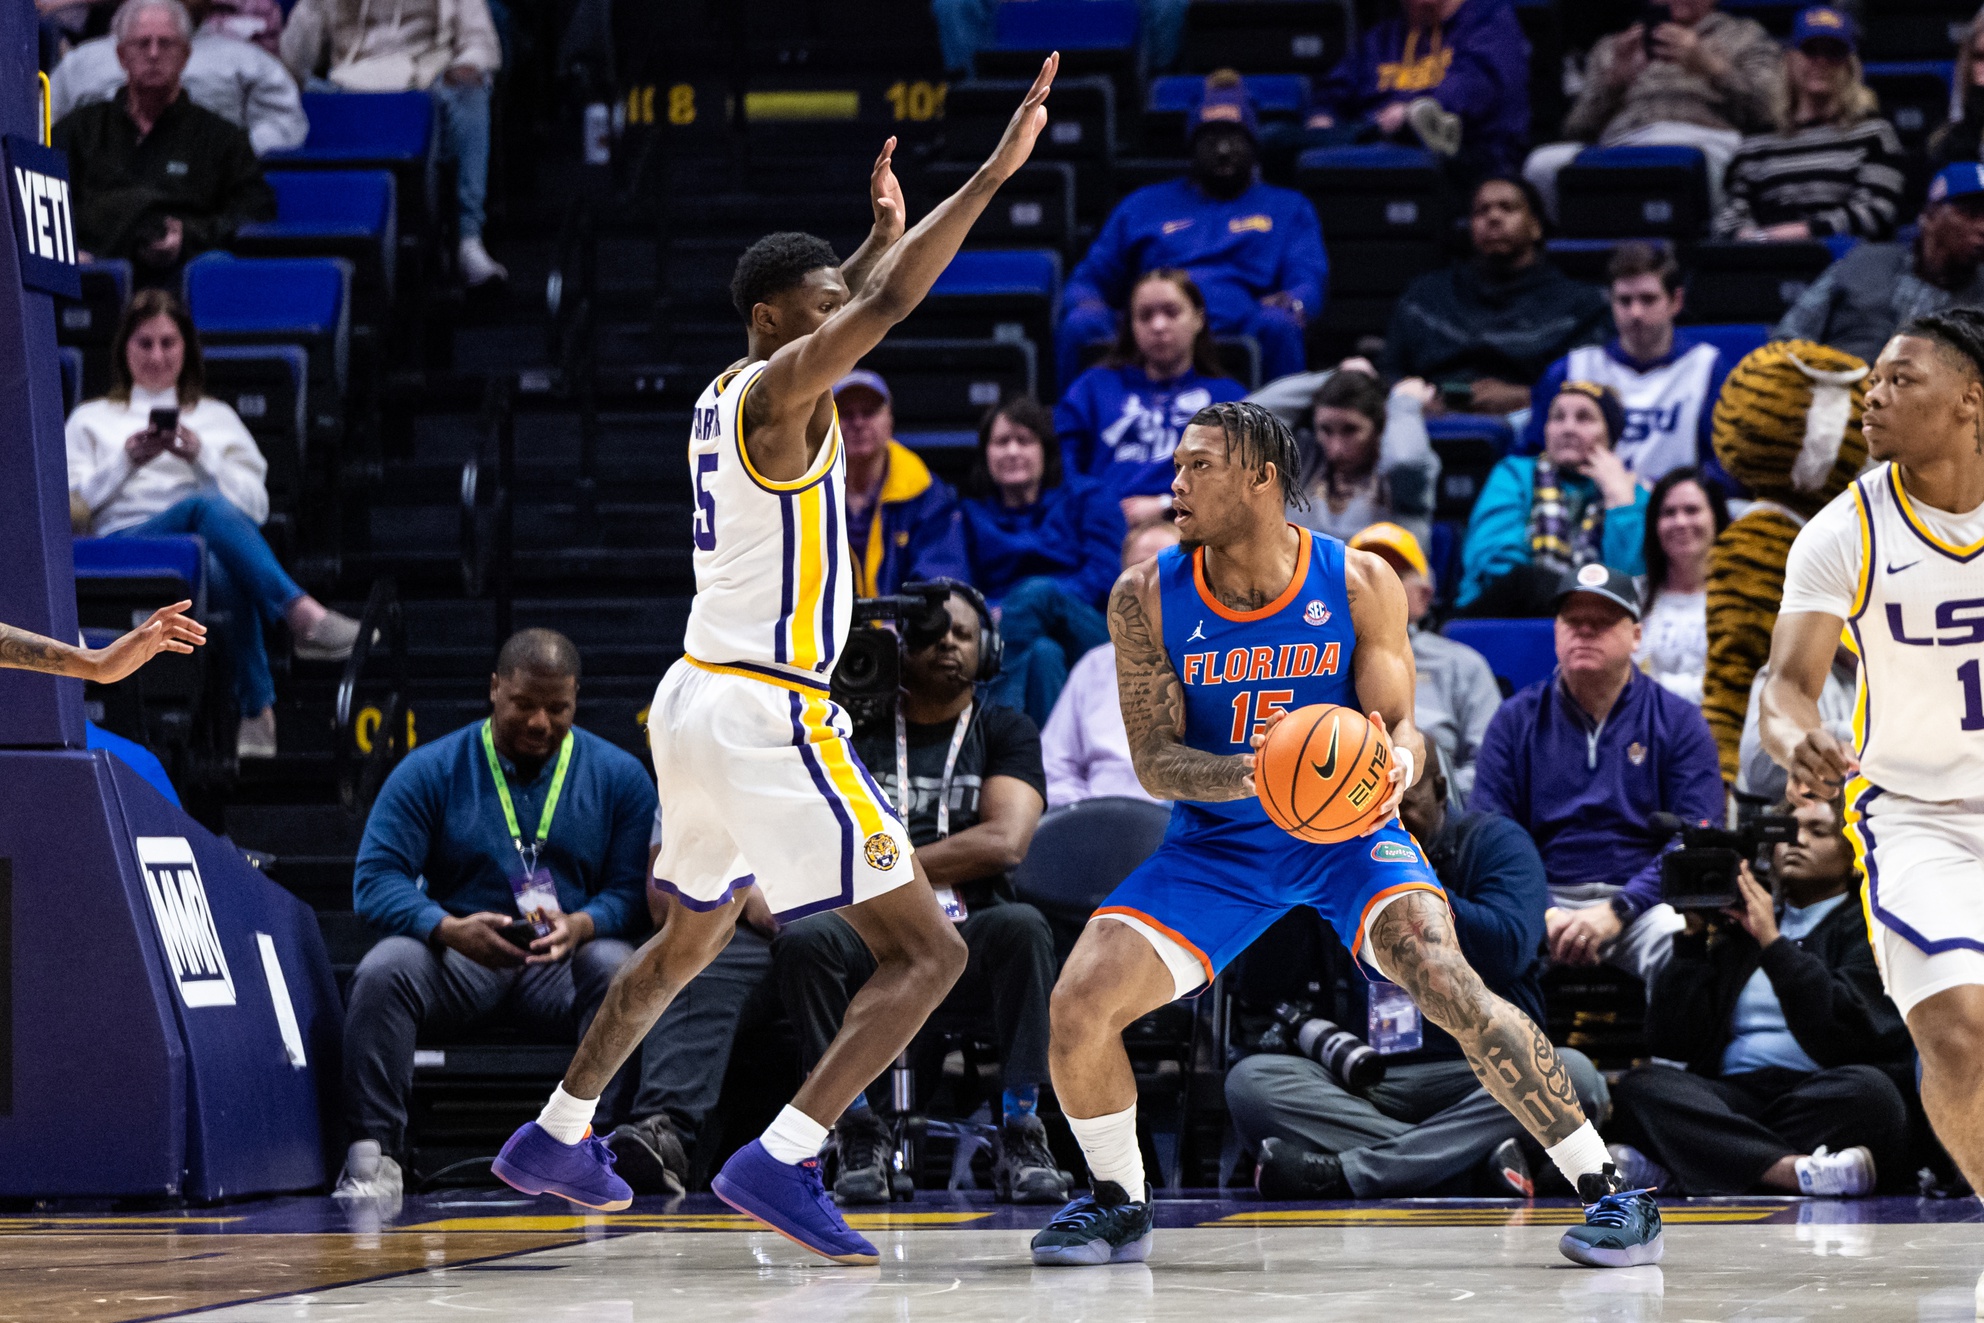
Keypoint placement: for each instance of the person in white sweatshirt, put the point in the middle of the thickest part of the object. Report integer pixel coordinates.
(155, 456)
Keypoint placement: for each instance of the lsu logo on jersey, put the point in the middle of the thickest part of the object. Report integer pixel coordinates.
(881, 852)
(1315, 614)
(1957, 623)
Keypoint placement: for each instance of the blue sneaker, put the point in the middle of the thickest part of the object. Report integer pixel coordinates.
(534, 1162)
(1621, 1227)
(790, 1200)
(1103, 1226)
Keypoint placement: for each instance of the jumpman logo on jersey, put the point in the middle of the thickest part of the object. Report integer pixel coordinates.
(1198, 634)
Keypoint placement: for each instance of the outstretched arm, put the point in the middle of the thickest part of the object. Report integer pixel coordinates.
(1801, 652)
(885, 196)
(1154, 703)
(800, 372)
(168, 630)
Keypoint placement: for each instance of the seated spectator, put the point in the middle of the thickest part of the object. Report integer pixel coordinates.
(202, 476)
(1451, 75)
(1484, 329)
(1793, 1051)
(1255, 249)
(1084, 747)
(1573, 505)
(1025, 522)
(1759, 779)
(1859, 301)
(1957, 140)
(154, 177)
(1837, 168)
(1455, 695)
(1366, 457)
(499, 901)
(1582, 761)
(446, 48)
(1684, 517)
(1667, 380)
(1429, 1125)
(902, 523)
(971, 806)
(1119, 421)
(1701, 79)
(240, 81)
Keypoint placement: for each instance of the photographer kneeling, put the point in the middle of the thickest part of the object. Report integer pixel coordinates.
(1792, 1047)
(975, 791)
(1429, 1123)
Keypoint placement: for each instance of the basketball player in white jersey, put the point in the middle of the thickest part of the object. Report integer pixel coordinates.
(1897, 563)
(759, 782)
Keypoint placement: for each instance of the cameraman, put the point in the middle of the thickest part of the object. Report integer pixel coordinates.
(1429, 1124)
(1791, 1046)
(975, 794)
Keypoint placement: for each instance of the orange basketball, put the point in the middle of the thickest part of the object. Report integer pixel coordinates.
(1323, 773)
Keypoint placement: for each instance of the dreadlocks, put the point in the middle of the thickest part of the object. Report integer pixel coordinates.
(1257, 438)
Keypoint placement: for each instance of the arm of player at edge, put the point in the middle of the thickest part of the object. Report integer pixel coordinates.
(169, 629)
(1153, 701)
(1801, 651)
(892, 283)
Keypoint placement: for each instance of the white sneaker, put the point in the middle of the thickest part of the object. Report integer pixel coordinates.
(257, 735)
(369, 1174)
(1636, 1169)
(478, 267)
(1849, 1172)
(1436, 127)
(331, 639)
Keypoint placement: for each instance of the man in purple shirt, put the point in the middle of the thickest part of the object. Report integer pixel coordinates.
(1582, 761)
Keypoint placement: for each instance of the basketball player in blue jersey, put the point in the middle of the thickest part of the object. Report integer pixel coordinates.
(758, 779)
(1894, 566)
(1251, 618)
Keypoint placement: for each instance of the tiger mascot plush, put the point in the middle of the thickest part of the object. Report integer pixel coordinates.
(1786, 426)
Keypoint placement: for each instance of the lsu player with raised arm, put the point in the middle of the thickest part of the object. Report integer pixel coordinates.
(1895, 564)
(1215, 640)
(758, 779)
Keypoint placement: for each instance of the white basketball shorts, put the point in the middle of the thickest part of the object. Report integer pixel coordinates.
(760, 784)
(1924, 893)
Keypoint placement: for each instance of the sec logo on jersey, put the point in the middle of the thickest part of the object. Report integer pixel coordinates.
(1315, 614)
(881, 852)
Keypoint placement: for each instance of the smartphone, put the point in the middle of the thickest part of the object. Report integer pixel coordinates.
(1655, 15)
(518, 933)
(165, 422)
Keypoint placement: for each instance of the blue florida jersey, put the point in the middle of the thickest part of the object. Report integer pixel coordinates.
(1239, 667)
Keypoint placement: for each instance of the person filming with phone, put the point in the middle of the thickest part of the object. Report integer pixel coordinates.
(1798, 1067)
(507, 865)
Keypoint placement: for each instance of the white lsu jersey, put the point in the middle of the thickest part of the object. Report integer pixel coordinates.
(773, 590)
(1916, 617)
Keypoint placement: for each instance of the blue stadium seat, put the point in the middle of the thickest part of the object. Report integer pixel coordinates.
(70, 360)
(268, 386)
(347, 128)
(1004, 272)
(280, 300)
(90, 323)
(330, 213)
(1915, 95)
(176, 563)
(1469, 445)
(1385, 212)
(1622, 192)
(119, 582)
(1066, 25)
(1736, 281)
(990, 294)
(1734, 339)
(1585, 259)
(1520, 652)
(1172, 98)
(1266, 36)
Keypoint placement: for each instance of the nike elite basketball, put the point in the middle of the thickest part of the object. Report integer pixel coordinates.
(1322, 773)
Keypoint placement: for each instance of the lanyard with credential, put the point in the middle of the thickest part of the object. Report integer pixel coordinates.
(528, 854)
(950, 766)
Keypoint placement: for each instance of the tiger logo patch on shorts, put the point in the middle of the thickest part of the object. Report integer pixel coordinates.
(881, 852)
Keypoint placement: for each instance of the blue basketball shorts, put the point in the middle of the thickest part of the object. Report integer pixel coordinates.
(1207, 892)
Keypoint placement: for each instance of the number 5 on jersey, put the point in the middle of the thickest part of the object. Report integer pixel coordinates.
(705, 520)
(1265, 704)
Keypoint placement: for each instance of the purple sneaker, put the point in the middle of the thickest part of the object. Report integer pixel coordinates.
(534, 1162)
(791, 1201)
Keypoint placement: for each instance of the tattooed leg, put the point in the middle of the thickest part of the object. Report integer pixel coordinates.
(1413, 944)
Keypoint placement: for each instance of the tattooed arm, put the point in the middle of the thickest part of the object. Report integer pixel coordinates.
(168, 630)
(1413, 944)
(1154, 703)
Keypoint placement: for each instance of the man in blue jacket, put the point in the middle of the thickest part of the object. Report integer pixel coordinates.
(1582, 761)
(1451, 74)
(1255, 250)
(903, 522)
(506, 862)
(1429, 1126)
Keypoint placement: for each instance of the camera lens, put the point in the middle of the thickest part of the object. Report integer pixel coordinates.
(1342, 1053)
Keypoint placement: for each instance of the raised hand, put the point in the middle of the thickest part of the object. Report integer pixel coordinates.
(1016, 144)
(169, 629)
(885, 195)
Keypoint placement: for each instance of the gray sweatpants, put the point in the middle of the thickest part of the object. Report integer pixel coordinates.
(1427, 1123)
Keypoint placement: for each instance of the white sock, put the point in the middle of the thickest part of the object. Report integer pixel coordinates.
(565, 1118)
(1579, 1153)
(1110, 1145)
(793, 1136)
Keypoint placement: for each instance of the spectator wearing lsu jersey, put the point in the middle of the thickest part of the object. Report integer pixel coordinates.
(1666, 379)
(903, 523)
(1255, 249)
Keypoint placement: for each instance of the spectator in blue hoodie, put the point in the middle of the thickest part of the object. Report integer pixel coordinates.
(902, 521)
(1120, 420)
(1452, 75)
(1255, 249)
(1044, 550)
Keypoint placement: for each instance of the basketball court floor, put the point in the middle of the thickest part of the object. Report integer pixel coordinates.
(495, 1257)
